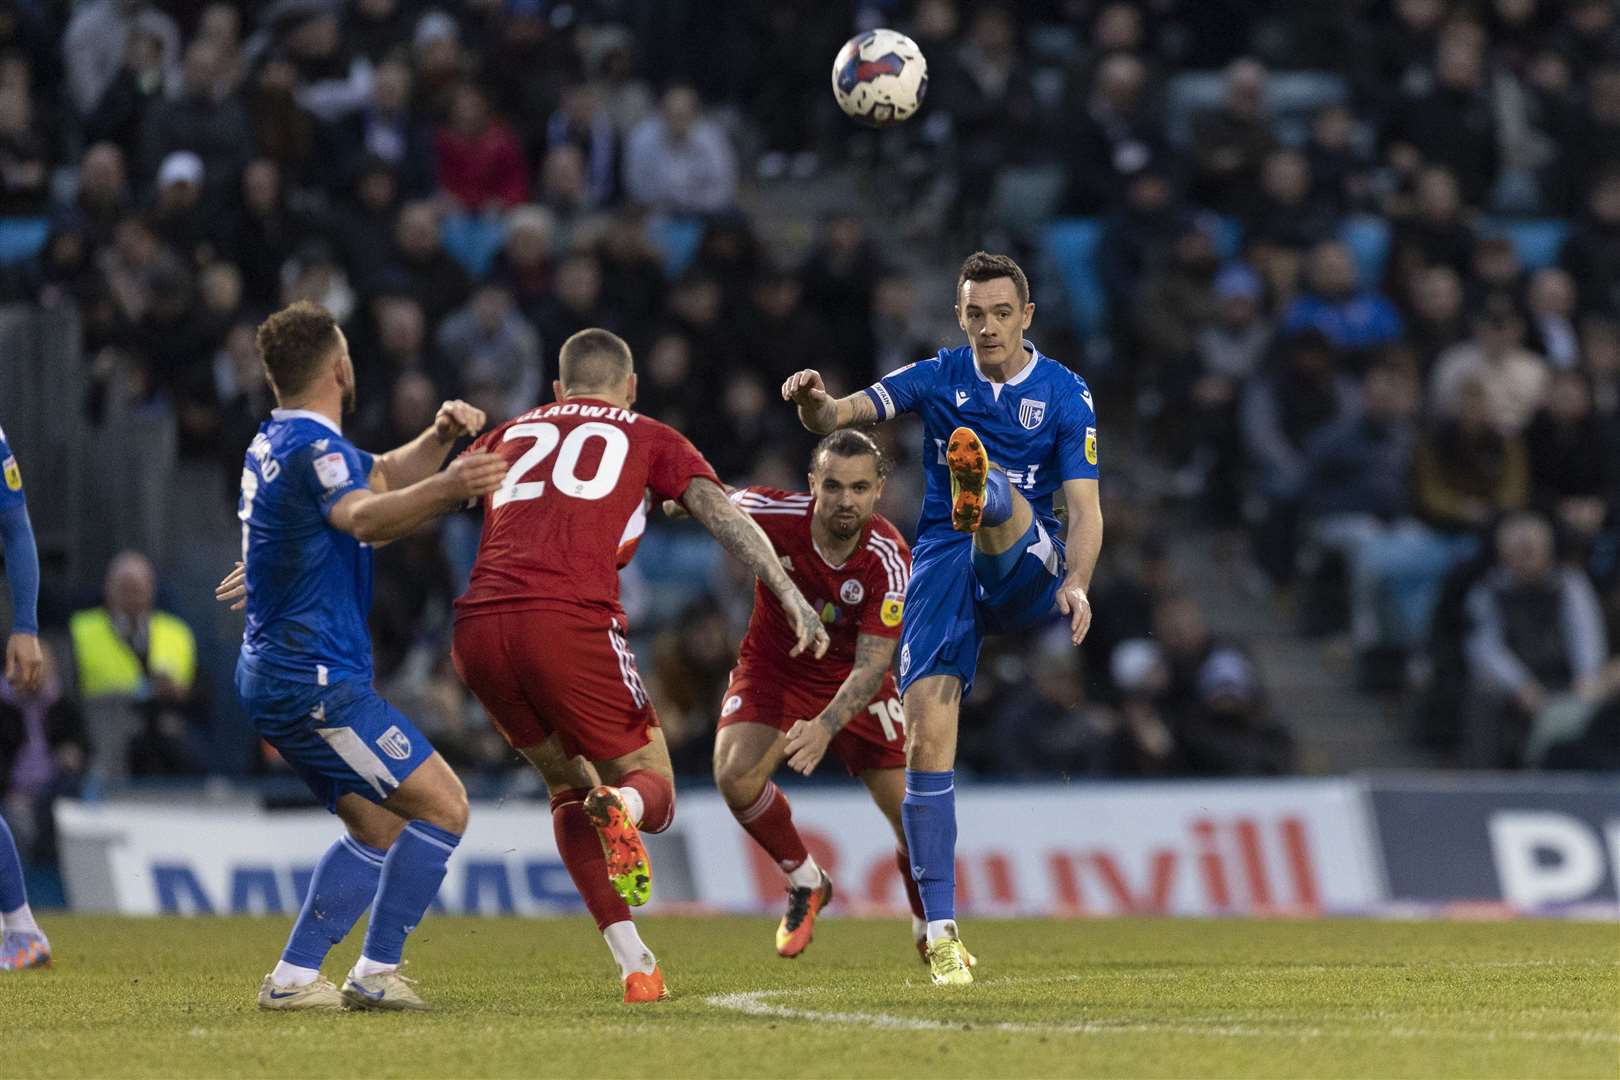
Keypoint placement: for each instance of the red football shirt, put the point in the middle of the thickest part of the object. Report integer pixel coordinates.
(573, 505)
(865, 594)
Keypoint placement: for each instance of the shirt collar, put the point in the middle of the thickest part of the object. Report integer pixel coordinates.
(305, 414)
(1028, 370)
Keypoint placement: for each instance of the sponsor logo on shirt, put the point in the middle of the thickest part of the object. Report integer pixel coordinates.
(852, 592)
(1091, 445)
(894, 607)
(332, 471)
(13, 474)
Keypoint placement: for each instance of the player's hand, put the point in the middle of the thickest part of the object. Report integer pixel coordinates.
(233, 587)
(807, 628)
(673, 509)
(807, 741)
(1073, 602)
(457, 419)
(25, 663)
(804, 387)
(472, 476)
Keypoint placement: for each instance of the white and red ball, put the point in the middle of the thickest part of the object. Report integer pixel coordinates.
(880, 77)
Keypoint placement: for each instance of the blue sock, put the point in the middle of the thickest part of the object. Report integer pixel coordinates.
(998, 504)
(344, 884)
(992, 570)
(411, 876)
(929, 817)
(12, 893)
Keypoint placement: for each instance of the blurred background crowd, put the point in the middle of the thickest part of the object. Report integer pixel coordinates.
(1344, 277)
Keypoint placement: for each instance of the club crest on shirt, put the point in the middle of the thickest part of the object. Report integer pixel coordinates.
(395, 743)
(1031, 413)
(852, 592)
(13, 474)
(733, 703)
(894, 607)
(1091, 446)
(905, 660)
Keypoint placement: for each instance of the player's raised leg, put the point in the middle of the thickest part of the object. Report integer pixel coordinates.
(928, 814)
(745, 756)
(637, 795)
(433, 805)
(22, 944)
(888, 790)
(344, 886)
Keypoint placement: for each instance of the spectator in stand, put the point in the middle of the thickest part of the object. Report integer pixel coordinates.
(24, 175)
(1551, 301)
(1591, 34)
(1352, 318)
(378, 29)
(898, 335)
(778, 334)
(479, 161)
(1229, 731)
(1055, 728)
(387, 129)
(680, 161)
(178, 213)
(283, 130)
(1514, 377)
(994, 112)
(1437, 234)
(1595, 143)
(1437, 318)
(119, 114)
(361, 222)
(1230, 143)
(1141, 673)
(97, 45)
(496, 352)
(103, 197)
(44, 752)
(576, 303)
(403, 344)
(583, 121)
(1231, 349)
(1286, 214)
(1537, 634)
(1175, 301)
(130, 652)
(1341, 174)
(332, 81)
(565, 190)
(263, 233)
(524, 264)
(204, 118)
(1451, 122)
(1572, 466)
(632, 273)
(429, 272)
(838, 280)
(440, 65)
(1117, 136)
(1140, 233)
(1592, 252)
(1394, 56)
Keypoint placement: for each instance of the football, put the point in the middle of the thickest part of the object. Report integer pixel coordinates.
(880, 77)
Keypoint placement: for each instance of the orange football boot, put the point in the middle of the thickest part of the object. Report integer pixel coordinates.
(627, 863)
(641, 987)
(969, 464)
(799, 924)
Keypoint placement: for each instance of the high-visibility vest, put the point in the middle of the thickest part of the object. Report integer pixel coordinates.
(107, 665)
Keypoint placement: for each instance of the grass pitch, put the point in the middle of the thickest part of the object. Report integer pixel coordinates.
(175, 998)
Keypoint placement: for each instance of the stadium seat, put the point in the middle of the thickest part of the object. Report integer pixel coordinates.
(22, 238)
(1071, 244)
(678, 238)
(1537, 241)
(1368, 239)
(1293, 97)
(1025, 197)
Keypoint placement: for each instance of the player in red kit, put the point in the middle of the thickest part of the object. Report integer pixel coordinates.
(786, 706)
(540, 636)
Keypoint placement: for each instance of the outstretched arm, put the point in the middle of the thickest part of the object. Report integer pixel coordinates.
(706, 501)
(819, 411)
(1083, 543)
(421, 457)
(24, 663)
(807, 740)
(375, 517)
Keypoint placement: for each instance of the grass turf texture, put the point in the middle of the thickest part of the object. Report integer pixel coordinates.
(175, 998)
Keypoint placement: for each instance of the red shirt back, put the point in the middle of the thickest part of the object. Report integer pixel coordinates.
(573, 505)
(866, 594)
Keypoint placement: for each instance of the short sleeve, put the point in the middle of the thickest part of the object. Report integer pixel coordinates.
(332, 469)
(11, 482)
(900, 390)
(1077, 436)
(675, 464)
(886, 583)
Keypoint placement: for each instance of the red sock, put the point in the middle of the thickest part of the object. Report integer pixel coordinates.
(770, 822)
(657, 799)
(582, 853)
(902, 859)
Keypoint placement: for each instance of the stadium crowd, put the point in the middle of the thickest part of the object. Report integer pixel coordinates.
(1422, 449)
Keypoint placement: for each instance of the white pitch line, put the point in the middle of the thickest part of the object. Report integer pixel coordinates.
(754, 1003)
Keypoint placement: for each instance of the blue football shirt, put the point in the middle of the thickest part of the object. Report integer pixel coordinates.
(308, 584)
(1039, 426)
(11, 484)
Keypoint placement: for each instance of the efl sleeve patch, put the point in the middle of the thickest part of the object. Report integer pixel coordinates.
(893, 610)
(332, 471)
(13, 474)
(1091, 446)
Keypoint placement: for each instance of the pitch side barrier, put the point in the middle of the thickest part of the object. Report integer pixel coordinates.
(1400, 844)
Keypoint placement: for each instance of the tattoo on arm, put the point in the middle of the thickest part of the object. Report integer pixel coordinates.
(856, 409)
(738, 533)
(873, 655)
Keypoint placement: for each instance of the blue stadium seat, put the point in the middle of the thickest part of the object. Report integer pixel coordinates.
(1071, 244)
(1368, 239)
(22, 238)
(1537, 241)
(678, 238)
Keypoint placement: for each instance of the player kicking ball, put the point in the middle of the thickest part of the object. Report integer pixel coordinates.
(853, 565)
(540, 636)
(312, 506)
(1004, 429)
(22, 943)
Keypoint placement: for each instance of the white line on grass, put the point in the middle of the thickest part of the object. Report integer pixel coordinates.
(755, 1003)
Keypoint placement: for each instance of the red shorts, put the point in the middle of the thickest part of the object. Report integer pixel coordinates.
(571, 674)
(875, 738)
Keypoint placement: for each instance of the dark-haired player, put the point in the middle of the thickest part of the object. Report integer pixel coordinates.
(312, 506)
(990, 557)
(540, 636)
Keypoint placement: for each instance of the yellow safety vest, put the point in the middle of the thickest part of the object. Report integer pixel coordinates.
(107, 665)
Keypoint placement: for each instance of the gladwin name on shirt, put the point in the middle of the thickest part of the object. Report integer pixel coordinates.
(574, 408)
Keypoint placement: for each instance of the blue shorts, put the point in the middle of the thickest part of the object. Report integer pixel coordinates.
(949, 609)
(340, 739)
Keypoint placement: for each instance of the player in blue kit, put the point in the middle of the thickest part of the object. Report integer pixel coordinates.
(22, 944)
(1004, 429)
(312, 506)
